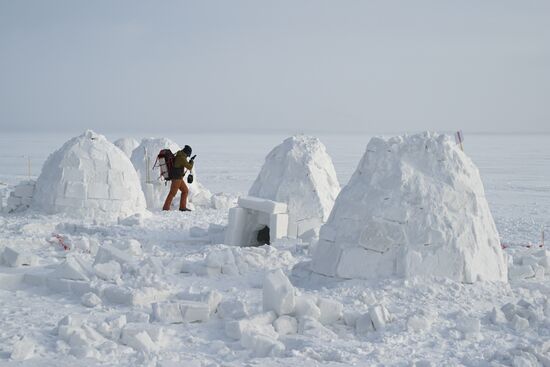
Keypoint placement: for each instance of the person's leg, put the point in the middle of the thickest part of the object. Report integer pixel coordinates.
(184, 193)
(174, 186)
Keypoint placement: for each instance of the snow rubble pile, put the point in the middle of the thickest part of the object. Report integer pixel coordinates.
(89, 176)
(414, 206)
(287, 313)
(296, 187)
(127, 145)
(143, 158)
(530, 263)
(21, 196)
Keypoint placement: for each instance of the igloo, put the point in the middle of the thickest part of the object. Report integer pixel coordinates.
(155, 190)
(298, 175)
(127, 145)
(89, 176)
(414, 206)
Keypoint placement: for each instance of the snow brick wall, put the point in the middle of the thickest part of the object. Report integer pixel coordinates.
(155, 190)
(414, 206)
(300, 173)
(89, 176)
(21, 196)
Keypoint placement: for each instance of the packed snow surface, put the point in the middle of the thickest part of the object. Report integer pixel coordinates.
(88, 176)
(300, 173)
(414, 206)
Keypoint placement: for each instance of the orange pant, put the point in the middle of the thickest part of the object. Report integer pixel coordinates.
(174, 187)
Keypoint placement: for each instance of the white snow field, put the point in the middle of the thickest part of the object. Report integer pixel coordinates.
(162, 289)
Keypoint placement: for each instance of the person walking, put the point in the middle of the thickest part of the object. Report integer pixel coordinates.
(181, 163)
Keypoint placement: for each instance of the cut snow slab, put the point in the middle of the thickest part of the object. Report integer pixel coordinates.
(278, 293)
(414, 206)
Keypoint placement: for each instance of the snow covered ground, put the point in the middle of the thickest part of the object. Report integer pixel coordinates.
(179, 259)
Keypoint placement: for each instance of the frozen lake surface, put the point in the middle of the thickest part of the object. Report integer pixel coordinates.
(515, 168)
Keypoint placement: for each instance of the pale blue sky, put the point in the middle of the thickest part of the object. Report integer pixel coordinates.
(372, 66)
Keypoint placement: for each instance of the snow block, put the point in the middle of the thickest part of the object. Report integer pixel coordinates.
(364, 324)
(278, 293)
(262, 345)
(15, 258)
(260, 323)
(331, 311)
(69, 269)
(237, 219)
(379, 316)
(262, 205)
(178, 312)
(22, 349)
(521, 272)
(286, 325)
(140, 341)
(313, 328)
(90, 300)
(278, 225)
(307, 306)
(108, 253)
(232, 309)
(108, 271)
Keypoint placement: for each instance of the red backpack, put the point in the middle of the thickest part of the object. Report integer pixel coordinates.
(165, 160)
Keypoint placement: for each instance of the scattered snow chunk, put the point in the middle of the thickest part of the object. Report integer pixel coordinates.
(232, 309)
(286, 325)
(90, 300)
(380, 316)
(331, 310)
(497, 316)
(519, 323)
(22, 349)
(109, 271)
(15, 258)
(140, 341)
(364, 324)
(307, 306)
(278, 293)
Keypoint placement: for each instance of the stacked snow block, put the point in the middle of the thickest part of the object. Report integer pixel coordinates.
(89, 176)
(21, 196)
(252, 215)
(531, 265)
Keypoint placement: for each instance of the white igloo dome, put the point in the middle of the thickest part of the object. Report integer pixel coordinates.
(127, 145)
(143, 158)
(300, 173)
(414, 206)
(89, 176)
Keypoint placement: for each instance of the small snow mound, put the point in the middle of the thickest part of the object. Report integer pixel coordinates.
(300, 173)
(143, 158)
(127, 145)
(414, 206)
(89, 176)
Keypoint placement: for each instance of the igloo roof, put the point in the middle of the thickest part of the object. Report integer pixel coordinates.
(89, 175)
(127, 145)
(299, 172)
(414, 206)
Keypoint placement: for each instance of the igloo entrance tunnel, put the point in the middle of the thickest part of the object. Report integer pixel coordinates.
(291, 197)
(414, 206)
